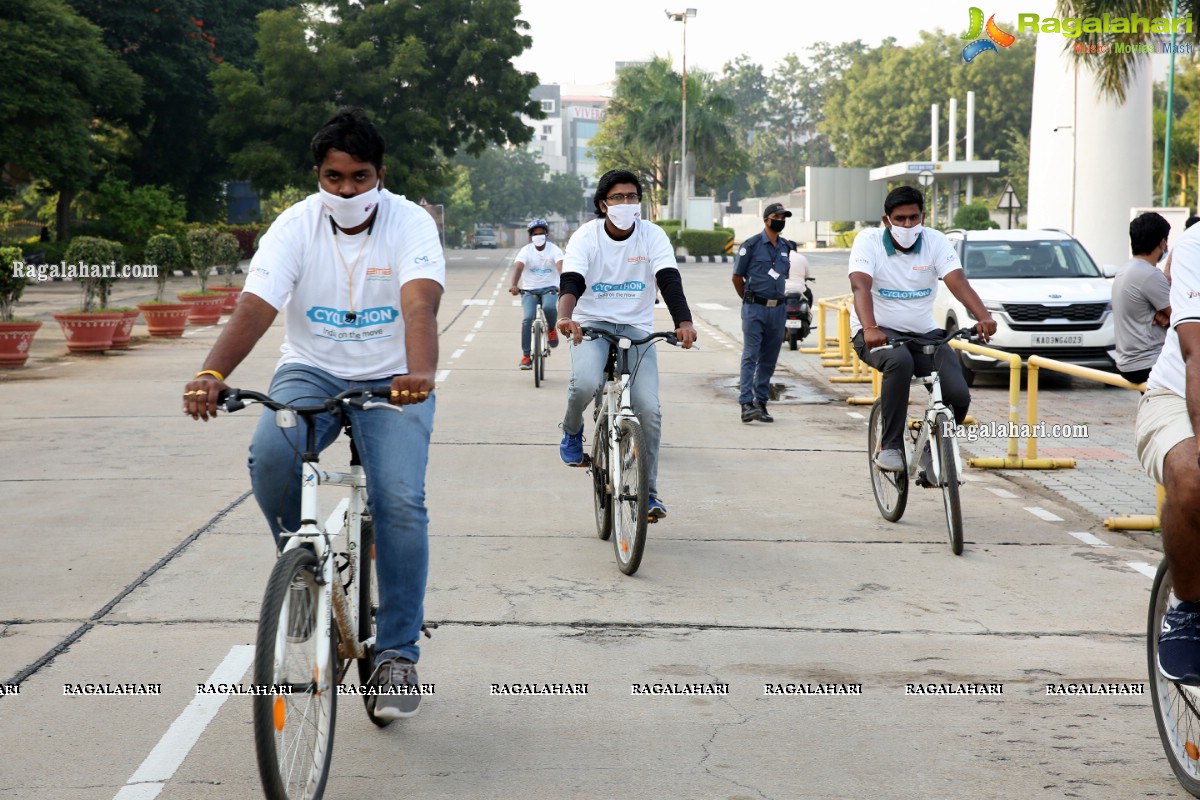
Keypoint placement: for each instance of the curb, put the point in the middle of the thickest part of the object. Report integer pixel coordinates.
(704, 259)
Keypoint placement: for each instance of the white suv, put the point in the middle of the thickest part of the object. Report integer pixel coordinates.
(1044, 291)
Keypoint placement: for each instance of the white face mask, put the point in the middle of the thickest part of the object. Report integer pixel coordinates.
(350, 212)
(906, 237)
(623, 215)
(539, 241)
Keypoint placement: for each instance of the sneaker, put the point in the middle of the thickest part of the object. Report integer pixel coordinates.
(749, 412)
(1179, 644)
(397, 693)
(570, 449)
(526, 362)
(890, 460)
(762, 413)
(655, 509)
(301, 613)
(925, 474)
(553, 337)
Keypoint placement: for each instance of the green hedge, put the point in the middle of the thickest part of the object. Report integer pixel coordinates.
(704, 243)
(845, 239)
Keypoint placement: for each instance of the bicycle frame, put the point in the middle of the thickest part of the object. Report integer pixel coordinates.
(936, 413)
(616, 398)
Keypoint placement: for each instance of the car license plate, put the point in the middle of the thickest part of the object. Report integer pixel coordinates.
(795, 323)
(1058, 340)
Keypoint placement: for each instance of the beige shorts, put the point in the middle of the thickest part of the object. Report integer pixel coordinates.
(1162, 422)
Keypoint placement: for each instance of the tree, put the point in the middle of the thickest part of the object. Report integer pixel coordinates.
(641, 129)
(879, 113)
(435, 77)
(174, 45)
(61, 94)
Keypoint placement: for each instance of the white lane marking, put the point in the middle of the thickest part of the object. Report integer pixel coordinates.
(973, 478)
(441, 376)
(516, 302)
(158, 768)
(481, 258)
(478, 325)
(1042, 513)
(486, 311)
(1005, 493)
(1143, 567)
(475, 301)
(457, 353)
(712, 306)
(470, 337)
(333, 523)
(855, 415)
(1087, 538)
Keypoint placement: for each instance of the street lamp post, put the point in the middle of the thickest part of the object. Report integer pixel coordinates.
(682, 16)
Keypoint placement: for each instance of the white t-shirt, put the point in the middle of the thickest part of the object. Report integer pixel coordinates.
(297, 268)
(541, 270)
(904, 285)
(1169, 371)
(619, 275)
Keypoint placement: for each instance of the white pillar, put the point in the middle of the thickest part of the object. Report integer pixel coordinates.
(970, 143)
(952, 144)
(935, 156)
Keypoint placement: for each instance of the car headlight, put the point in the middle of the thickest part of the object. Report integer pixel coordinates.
(994, 308)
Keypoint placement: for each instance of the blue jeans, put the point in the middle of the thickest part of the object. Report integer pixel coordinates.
(529, 301)
(587, 378)
(394, 449)
(763, 331)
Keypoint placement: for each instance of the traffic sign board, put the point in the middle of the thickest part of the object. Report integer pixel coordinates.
(925, 177)
(1008, 198)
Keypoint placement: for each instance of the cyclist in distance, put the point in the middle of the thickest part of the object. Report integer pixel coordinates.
(537, 268)
(358, 273)
(612, 266)
(894, 273)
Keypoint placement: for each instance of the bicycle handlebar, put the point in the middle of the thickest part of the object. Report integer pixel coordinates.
(613, 338)
(968, 333)
(235, 400)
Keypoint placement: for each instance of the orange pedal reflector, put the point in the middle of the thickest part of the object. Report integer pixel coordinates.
(1192, 751)
(280, 714)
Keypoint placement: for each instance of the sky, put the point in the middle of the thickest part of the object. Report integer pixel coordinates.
(578, 42)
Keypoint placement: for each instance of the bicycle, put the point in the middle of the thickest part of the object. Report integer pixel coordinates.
(620, 483)
(540, 344)
(891, 488)
(1176, 705)
(317, 588)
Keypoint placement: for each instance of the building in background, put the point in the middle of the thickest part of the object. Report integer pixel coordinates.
(573, 117)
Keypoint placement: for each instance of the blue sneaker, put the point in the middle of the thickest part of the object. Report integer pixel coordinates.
(571, 448)
(655, 509)
(1179, 644)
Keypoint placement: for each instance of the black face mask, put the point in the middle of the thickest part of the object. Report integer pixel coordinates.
(776, 224)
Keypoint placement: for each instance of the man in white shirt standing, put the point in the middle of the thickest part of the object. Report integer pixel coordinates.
(536, 272)
(611, 267)
(359, 274)
(894, 272)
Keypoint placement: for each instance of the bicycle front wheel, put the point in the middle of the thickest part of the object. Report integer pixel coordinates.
(630, 496)
(538, 356)
(890, 488)
(601, 493)
(1176, 707)
(293, 733)
(949, 481)
(368, 610)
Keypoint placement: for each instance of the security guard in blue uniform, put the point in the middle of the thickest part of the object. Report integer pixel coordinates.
(758, 278)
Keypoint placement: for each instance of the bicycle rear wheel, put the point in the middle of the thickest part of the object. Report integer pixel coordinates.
(601, 490)
(538, 356)
(630, 496)
(293, 733)
(950, 485)
(890, 488)
(1176, 707)
(368, 609)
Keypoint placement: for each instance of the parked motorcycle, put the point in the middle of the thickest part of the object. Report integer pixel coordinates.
(799, 315)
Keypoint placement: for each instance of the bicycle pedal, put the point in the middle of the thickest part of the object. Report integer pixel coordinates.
(923, 482)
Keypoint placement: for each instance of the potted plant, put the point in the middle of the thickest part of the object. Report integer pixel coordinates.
(205, 305)
(228, 255)
(163, 319)
(16, 336)
(91, 328)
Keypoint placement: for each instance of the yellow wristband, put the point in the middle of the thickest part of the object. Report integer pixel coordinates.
(212, 372)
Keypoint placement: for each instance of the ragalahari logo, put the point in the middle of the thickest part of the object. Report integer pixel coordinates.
(995, 36)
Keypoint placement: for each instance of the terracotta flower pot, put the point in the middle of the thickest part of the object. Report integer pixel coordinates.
(165, 320)
(124, 331)
(205, 308)
(15, 341)
(89, 333)
(232, 293)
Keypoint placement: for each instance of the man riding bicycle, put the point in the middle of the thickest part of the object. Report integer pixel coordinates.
(1168, 417)
(611, 267)
(894, 271)
(537, 268)
(359, 274)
